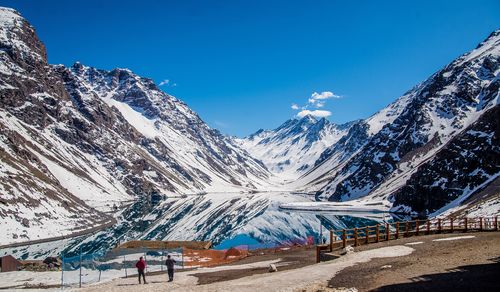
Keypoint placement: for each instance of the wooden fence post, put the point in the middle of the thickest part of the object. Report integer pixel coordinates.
(417, 227)
(367, 235)
(397, 230)
(355, 236)
(406, 228)
(496, 223)
(331, 240)
(480, 223)
(439, 225)
(428, 227)
(466, 224)
(377, 234)
(344, 239)
(318, 253)
(451, 225)
(387, 232)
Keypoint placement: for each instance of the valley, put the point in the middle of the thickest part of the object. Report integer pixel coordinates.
(81, 147)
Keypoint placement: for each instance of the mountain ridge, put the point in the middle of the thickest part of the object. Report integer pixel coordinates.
(291, 148)
(97, 139)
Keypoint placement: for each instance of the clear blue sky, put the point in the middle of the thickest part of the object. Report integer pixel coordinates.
(242, 64)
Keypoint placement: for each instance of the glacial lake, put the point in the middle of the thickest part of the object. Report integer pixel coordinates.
(226, 219)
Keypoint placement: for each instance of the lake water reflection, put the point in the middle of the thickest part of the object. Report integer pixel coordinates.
(226, 219)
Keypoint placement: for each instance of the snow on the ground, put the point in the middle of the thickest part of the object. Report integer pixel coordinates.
(22, 278)
(279, 281)
(13, 279)
(489, 208)
(414, 243)
(454, 238)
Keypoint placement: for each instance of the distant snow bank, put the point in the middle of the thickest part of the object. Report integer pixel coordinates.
(349, 206)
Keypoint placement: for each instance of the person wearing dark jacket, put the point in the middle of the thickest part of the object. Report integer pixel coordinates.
(141, 266)
(170, 268)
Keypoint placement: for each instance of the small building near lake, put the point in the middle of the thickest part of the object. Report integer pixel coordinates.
(9, 263)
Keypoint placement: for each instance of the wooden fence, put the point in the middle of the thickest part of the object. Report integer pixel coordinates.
(391, 231)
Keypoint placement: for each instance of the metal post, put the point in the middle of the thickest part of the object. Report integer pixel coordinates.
(428, 227)
(320, 241)
(439, 225)
(481, 224)
(62, 272)
(496, 223)
(80, 267)
(126, 276)
(451, 224)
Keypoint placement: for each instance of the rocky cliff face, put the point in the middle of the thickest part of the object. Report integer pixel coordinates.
(403, 140)
(77, 141)
(467, 164)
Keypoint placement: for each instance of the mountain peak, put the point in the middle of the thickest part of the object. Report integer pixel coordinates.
(18, 37)
(5, 11)
(308, 117)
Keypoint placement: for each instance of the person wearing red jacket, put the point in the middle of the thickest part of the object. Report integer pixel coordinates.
(141, 266)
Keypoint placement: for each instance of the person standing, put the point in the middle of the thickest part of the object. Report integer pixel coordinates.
(170, 268)
(141, 267)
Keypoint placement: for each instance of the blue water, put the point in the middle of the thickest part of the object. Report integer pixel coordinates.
(240, 239)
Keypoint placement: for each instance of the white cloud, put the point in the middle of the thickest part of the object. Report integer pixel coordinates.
(314, 113)
(168, 82)
(320, 103)
(317, 97)
(317, 100)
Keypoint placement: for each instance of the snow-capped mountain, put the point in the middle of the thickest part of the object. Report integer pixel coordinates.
(76, 141)
(82, 147)
(292, 149)
(435, 144)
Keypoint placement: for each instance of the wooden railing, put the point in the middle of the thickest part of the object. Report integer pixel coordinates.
(390, 231)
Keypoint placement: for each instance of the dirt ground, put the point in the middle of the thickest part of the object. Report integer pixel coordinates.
(469, 264)
(292, 258)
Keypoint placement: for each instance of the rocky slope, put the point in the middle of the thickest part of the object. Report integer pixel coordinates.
(434, 144)
(75, 142)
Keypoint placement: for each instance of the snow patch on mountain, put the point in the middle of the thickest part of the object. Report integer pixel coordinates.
(291, 149)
